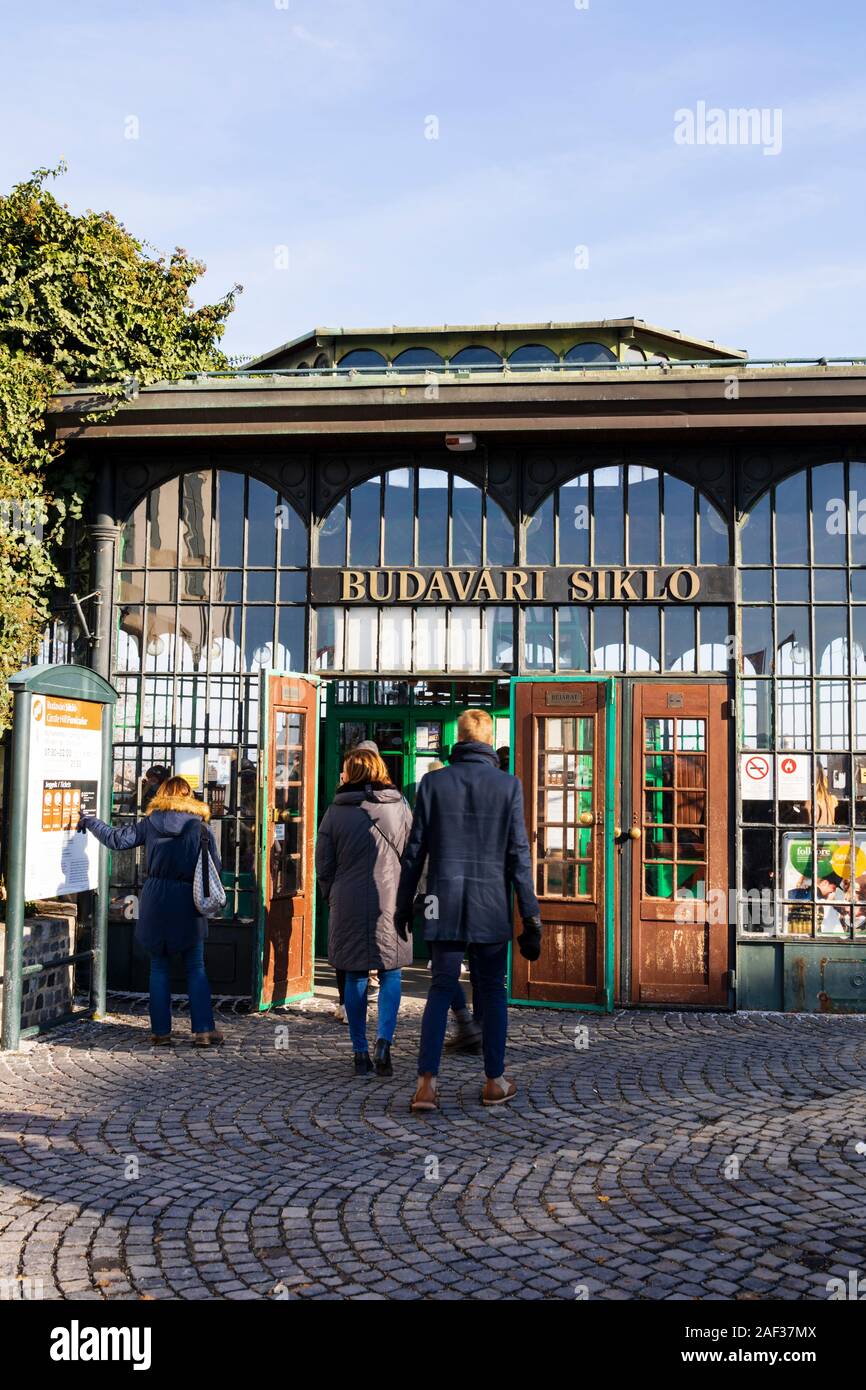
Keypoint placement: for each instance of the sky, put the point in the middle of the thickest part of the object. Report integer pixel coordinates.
(357, 163)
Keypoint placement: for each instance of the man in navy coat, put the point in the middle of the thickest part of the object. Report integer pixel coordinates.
(469, 828)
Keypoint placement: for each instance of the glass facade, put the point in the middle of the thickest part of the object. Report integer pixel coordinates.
(802, 725)
(211, 590)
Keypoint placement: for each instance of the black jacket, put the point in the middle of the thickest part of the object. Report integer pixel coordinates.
(469, 826)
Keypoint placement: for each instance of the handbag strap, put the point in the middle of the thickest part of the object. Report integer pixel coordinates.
(205, 860)
(386, 838)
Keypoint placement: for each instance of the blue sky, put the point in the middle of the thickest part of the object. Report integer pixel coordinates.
(265, 124)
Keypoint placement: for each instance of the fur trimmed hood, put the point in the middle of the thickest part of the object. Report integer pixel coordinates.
(185, 805)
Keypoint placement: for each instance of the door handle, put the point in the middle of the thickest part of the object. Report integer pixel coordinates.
(632, 834)
(586, 818)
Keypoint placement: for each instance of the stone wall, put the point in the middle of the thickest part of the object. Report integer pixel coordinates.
(49, 995)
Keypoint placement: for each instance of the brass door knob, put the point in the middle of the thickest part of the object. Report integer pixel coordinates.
(617, 831)
(634, 833)
(586, 817)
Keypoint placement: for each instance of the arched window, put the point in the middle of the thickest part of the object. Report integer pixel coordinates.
(363, 357)
(418, 357)
(416, 516)
(322, 360)
(532, 354)
(634, 354)
(475, 356)
(211, 590)
(584, 522)
(589, 354)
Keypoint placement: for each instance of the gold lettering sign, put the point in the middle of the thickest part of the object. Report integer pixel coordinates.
(492, 584)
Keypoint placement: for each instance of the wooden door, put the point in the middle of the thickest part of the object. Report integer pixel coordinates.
(290, 727)
(679, 861)
(560, 748)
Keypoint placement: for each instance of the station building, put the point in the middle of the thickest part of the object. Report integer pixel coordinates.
(643, 553)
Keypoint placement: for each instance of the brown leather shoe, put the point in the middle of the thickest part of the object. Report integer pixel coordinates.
(212, 1039)
(498, 1092)
(160, 1039)
(426, 1095)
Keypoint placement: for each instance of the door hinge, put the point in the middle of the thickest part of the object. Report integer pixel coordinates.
(730, 708)
(729, 979)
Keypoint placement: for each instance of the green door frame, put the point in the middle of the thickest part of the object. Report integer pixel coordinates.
(609, 682)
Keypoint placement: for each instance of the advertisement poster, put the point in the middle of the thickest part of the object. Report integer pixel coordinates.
(838, 887)
(65, 768)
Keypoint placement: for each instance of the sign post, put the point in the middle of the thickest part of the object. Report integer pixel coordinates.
(61, 765)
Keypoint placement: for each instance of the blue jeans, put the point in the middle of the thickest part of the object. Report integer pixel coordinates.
(198, 989)
(356, 1006)
(487, 966)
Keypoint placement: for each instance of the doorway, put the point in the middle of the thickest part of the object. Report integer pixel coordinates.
(626, 800)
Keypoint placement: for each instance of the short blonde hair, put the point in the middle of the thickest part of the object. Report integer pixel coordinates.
(475, 725)
(363, 765)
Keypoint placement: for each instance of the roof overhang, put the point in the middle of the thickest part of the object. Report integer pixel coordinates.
(569, 404)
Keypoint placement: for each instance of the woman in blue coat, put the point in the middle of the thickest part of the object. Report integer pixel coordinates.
(167, 919)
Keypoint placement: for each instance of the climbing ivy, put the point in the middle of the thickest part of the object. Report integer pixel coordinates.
(82, 302)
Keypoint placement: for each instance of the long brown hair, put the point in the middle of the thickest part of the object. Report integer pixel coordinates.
(363, 765)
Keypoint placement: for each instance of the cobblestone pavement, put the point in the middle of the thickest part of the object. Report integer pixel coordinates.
(265, 1170)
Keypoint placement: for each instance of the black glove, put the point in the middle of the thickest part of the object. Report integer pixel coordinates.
(529, 940)
(81, 827)
(402, 925)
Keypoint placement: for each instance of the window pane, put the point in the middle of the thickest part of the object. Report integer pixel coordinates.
(291, 536)
(831, 641)
(756, 641)
(132, 537)
(498, 638)
(332, 536)
(362, 639)
(259, 639)
(643, 638)
(609, 534)
(192, 638)
(432, 516)
(396, 639)
(756, 714)
(291, 648)
(714, 634)
(714, 549)
(162, 512)
(195, 526)
(679, 522)
(500, 536)
(399, 518)
(539, 535)
(755, 534)
(831, 586)
(608, 653)
(464, 639)
(793, 645)
(365, 520)
(573, 639)
(261, 586)
(792, 522)
(831, 713)
(330, 629)
(643, 517)
(574, 521)
(465, 523)
(263, 516)
(225, 652)
(538, 639)
(430, 630)
(793, 714)
(129, 631)
(792, 586)
(159, 640)
(679, 638)
(829, 514)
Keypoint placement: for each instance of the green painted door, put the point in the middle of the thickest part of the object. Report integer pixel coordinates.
(414, 726)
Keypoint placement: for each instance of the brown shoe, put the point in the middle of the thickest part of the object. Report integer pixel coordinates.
(212, 1039)
(426, 1096)
(498, 1092)
(160, 1039)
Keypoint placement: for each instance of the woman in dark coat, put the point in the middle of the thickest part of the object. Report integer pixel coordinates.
(167, 919)
(361, 841)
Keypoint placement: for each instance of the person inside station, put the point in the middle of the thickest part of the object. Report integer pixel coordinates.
(153, 780)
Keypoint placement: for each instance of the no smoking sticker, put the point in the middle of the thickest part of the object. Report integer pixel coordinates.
(756, 775)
